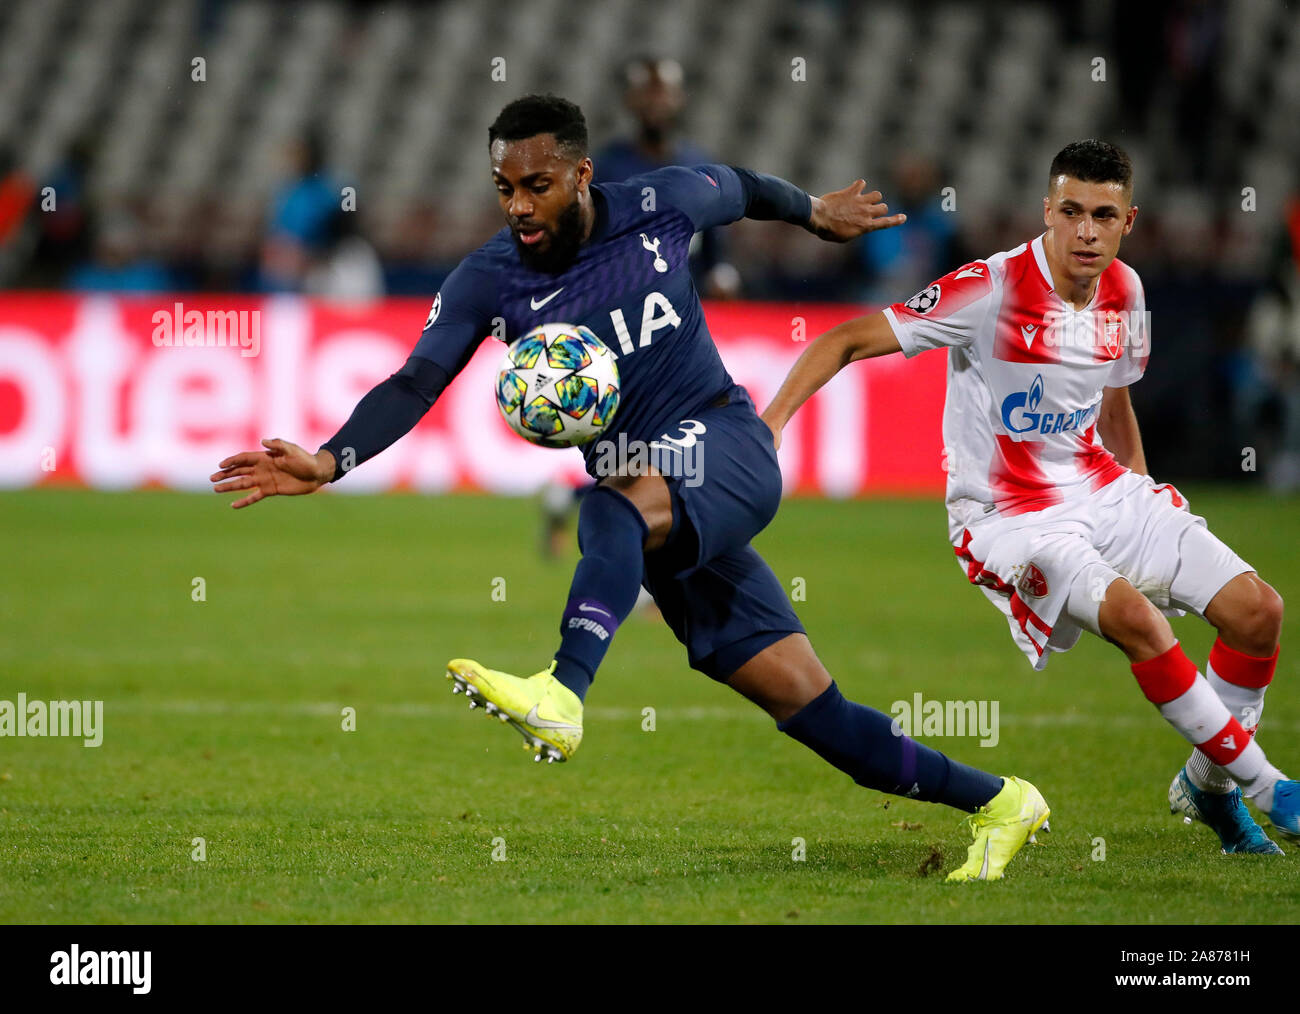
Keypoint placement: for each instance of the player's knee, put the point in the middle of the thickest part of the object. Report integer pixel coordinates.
(800, 686)
(1133, 623)
(782, 679)
(811, 681)
(1259, 620)
(1269, 615)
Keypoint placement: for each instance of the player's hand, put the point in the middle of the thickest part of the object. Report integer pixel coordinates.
(283, 469)
(846, 214)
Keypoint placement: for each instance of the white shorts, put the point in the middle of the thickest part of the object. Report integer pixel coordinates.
(1028, 565)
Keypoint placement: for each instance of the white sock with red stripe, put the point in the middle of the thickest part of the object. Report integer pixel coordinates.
(1187, 701)
(1240, 681)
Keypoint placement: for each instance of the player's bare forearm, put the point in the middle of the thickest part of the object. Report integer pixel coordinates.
(861, 338)
(1117, 426)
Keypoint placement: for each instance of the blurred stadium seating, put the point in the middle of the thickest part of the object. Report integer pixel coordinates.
(404, 92)
(176, 175)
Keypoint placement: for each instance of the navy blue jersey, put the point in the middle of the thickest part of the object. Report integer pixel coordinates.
(630, 284)
(622, 159)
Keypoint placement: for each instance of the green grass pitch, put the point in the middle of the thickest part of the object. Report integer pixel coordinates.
(223, 721)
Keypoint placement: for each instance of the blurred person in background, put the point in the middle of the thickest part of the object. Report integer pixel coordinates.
(119, 260)
(302, 217)
(64, 231)
(899, 260)
(348, 268)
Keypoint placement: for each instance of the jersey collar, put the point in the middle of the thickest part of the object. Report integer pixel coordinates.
(1040, 258)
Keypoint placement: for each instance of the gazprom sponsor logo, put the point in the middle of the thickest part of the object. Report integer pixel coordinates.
(1020, 413)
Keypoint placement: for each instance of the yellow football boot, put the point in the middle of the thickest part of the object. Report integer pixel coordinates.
(1001, 826)
(543, 710)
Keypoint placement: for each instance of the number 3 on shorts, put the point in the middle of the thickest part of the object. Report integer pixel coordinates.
(691, 428)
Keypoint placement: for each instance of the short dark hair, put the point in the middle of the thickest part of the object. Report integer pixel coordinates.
(1093, 161)
(542, 114)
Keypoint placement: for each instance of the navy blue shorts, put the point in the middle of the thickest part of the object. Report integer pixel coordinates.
(717, 594)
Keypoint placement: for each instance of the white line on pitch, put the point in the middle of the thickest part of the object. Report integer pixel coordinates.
(426, 709)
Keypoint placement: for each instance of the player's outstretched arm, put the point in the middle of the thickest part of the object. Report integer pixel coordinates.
(861, 338)
(457, 323)
(283, 469)
(713, 195)
(846, 214)
(387, 413)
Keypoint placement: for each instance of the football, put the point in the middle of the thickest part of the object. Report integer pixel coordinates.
(558, 385)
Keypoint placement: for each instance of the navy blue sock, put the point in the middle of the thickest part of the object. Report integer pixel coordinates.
(611, 535)
(863, 743)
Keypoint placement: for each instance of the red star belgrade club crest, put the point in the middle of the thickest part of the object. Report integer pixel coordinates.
(1032, 582)
(1113, 332)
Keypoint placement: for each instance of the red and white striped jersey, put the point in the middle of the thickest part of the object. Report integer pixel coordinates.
(1025, 378)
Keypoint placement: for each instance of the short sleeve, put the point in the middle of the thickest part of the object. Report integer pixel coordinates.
(946, 313)
(1129, 367)
(459, 320)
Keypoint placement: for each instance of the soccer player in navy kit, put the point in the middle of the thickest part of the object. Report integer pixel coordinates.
(614, 258)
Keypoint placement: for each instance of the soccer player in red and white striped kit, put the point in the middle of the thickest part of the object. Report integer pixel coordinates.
(1051, 511)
